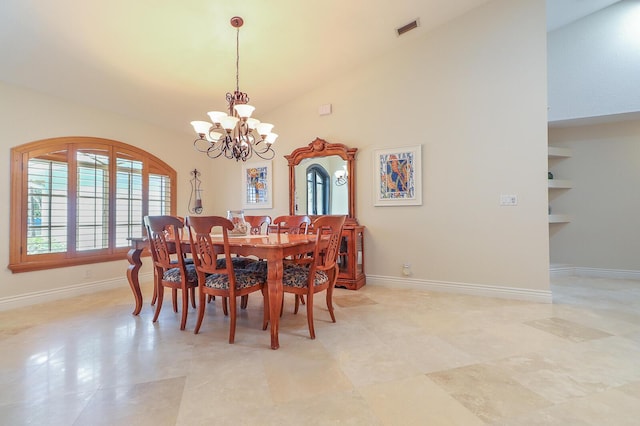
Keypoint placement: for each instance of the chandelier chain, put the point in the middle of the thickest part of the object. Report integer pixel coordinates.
(238, 59)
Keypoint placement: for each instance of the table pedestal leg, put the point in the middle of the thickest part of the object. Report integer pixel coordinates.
(133, 256)
(274, 287)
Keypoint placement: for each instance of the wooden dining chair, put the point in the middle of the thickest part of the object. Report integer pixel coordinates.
(187, 259)
(227, 281)
(290, 224)
(258, 224)
(170, 268)
(322, 270)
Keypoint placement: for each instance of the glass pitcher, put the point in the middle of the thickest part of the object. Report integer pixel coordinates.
(240, 226)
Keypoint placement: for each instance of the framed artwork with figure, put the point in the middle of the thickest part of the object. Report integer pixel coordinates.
(398, 176)
(256, 185)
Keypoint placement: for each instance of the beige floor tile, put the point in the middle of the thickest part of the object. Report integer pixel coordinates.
(153, 403)
(610, 407)
(302, 370)
(488, 392)
(567, 329)
(632, 389)
(416, 401)
(394, 357)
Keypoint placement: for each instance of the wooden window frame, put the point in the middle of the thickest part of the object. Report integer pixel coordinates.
(19, 260)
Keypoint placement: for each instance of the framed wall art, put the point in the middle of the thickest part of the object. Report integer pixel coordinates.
(398, 176)
(256, 185)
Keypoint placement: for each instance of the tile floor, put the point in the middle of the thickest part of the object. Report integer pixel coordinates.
(395, 357)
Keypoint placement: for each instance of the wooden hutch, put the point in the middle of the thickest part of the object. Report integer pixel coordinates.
(351, 258)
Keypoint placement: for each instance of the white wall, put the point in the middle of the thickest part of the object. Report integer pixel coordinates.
(27, 116)
(473, 93)
(594, 64)
(604, 232)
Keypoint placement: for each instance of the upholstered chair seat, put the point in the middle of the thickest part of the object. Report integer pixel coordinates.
(237, 262)
(259, 266)
(298, 277)
(174, 275)
(187, 261)
(244, 279)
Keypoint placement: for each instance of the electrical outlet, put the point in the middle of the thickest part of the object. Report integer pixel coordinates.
(508, 200)
(406, 269)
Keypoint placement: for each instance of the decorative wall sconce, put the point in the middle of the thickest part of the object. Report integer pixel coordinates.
(195, 199)
(342, 177)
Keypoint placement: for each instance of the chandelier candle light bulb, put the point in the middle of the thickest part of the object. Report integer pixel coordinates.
(236, 136)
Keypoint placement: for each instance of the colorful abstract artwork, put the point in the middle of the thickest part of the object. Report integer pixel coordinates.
(398, 176)
(256, 185)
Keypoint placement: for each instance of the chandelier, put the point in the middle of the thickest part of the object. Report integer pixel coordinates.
(235, 135)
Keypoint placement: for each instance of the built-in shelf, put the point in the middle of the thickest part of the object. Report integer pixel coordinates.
(560, 183)
(559, 218)
(555, 152)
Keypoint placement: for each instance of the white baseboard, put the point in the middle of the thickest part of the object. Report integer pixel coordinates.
(582, 271)
(529, 295)
(33, 298)
(561, 271)
(44, 296)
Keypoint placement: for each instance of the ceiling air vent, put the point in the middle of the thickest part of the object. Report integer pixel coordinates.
(408, 27)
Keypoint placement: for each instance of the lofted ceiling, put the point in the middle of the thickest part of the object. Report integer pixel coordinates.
(563, 12)
(169, 62)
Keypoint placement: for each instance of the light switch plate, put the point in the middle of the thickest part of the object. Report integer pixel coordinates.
(324, 109)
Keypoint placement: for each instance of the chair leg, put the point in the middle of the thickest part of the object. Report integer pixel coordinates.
(201, 307)
(174, 297)
(297, 304)
(193, 297)
(232, 314)
(224, 306)
(160, 292)
(185, 307)
(330, 303)
(244, 301)
(154, 298)
(312, 331)
(299, 301)
(265, 318)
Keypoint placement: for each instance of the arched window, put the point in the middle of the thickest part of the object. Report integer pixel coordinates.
(317, 190)
(77, 200)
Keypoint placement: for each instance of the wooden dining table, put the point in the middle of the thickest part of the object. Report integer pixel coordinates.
(273, 248)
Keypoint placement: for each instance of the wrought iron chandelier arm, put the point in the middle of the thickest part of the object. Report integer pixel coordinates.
(266, 153)
(214, 152)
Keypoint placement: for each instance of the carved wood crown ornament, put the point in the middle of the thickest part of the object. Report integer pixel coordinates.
(321, 146)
